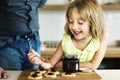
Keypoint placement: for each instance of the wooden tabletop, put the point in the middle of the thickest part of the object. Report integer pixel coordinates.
(79, 76)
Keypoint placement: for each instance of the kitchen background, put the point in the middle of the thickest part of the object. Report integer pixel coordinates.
(52, 28)
(52, 22)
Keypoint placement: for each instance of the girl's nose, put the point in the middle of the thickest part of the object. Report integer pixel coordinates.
(75, 26)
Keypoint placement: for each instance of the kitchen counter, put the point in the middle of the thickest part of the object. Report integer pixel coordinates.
(104, 74)
(111, 52)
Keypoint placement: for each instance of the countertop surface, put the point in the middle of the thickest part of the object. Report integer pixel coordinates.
(111, 52)
(104, 74)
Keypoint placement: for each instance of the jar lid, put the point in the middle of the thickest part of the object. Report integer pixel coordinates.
(70, 56)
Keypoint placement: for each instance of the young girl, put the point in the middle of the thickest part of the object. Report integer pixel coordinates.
(84, 36)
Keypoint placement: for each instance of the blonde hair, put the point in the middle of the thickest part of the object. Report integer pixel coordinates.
(89, 10)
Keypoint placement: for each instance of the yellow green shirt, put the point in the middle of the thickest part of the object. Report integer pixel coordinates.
(86, 55)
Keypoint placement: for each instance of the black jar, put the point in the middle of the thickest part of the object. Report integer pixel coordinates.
(70, 63)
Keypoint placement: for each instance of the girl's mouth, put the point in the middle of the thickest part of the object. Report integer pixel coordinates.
(76, 33)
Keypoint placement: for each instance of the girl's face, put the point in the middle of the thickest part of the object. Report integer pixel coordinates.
(78, 27)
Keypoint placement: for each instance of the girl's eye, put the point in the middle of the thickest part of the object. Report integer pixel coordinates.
(70, 21)
(80, 23)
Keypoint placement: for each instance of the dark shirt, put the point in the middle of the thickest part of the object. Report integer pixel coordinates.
(19, 17)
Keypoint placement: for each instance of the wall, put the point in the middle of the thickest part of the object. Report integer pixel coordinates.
(52, 25)
(112, 24)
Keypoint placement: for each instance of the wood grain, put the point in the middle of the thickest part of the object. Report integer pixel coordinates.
(79, 76)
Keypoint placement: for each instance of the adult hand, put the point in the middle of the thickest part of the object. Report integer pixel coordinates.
(3, 73)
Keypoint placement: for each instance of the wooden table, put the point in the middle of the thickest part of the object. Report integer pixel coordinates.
(104, 74)
(79, 76)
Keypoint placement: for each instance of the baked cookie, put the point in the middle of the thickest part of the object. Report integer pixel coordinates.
(68, 74)
(36, 72)
(53, 70)
(34, 75)
(42, 71)
(50, 75)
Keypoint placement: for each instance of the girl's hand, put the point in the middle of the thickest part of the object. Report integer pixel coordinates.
(34, 57)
